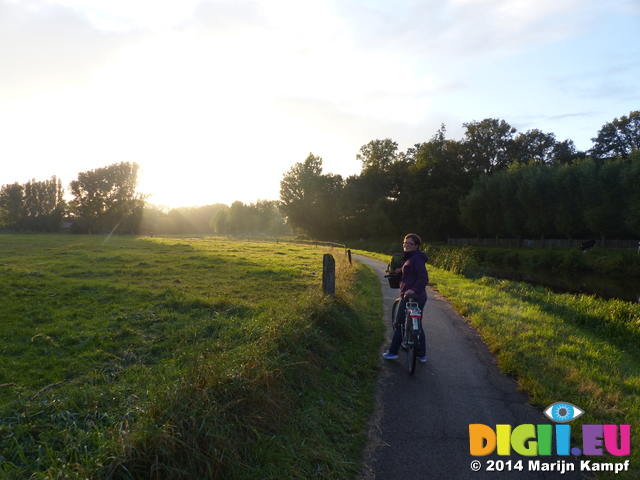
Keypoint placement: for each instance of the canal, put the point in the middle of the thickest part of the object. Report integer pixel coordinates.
(588, 284)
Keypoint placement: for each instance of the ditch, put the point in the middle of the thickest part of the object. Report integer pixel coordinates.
(627, 289)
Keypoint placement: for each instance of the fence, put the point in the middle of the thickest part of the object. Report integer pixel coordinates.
(291, 240)
(551, 243)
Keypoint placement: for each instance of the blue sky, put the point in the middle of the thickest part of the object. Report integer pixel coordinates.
(216, 100)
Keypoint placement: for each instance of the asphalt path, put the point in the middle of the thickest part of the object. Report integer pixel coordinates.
(420, 428)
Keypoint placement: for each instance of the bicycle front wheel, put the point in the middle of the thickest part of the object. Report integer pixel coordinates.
(394, 311)
(412, 340)
(394, 315)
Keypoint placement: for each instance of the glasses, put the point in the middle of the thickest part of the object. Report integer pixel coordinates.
(408, 243)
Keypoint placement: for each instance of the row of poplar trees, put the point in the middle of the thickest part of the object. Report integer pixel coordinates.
(103, 200)
(495, 182)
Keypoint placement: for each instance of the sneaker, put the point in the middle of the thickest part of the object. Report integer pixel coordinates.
(389, 356)
(423, 359)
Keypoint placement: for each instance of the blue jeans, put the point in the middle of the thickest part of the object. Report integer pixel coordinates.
(397, 331)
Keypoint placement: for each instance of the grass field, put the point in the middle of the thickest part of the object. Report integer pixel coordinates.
(181, 358)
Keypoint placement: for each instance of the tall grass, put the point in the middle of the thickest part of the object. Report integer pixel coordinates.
(462, 260)
(182, 359)
(459, 260)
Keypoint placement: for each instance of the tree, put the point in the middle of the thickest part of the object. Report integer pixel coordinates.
(44, 205)
(514, 214)
(565, 152)
(37, 206)
(220, 222)
(536, 196)
(379, 219)
(535, 145)
(104, 197)
(308, 199)
(378, 155)
(153, 219)
(494, 221)
(474, 207)
(601, 203)
(435, 184)
(618, 138)
(260, 218)
(489, 145)
(368, 205)
(631, 181)
(11, 206)
(568, 218)
(239, 220)
(482, 210)
(354, 205)
(268, 219)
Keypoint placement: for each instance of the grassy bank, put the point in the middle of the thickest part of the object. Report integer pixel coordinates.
(181, 358)
(559, 347)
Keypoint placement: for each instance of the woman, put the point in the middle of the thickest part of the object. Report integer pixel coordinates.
(413, 283)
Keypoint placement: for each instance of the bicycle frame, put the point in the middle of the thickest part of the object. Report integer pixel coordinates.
(411, 332)
(413, 313)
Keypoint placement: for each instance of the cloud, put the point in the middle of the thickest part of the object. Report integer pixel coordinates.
(47, 46)
(463, 28)
(609, 80)
(129, 15)
(224, 16)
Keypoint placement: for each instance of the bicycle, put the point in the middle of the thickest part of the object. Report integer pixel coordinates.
(410, 329)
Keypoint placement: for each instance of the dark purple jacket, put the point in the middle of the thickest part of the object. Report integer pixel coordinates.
(414, 274)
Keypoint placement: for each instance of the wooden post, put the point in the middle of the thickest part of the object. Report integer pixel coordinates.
(328, 275)
(349, 256)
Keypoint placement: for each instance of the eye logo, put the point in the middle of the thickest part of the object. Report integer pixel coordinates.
(563, 412)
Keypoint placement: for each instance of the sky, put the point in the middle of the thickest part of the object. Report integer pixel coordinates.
(217, 99)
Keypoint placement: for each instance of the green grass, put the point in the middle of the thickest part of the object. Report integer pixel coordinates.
(182, 358)
(559, 347)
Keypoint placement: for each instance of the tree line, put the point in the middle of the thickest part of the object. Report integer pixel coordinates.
(260, 218)
(106, 200)
(579, 200)
(494, 181)
(38, 206)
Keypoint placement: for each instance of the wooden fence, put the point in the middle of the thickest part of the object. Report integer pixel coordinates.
(551, 243)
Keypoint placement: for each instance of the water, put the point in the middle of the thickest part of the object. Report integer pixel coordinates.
(589, 284)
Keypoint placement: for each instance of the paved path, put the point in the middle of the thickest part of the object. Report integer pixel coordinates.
(420, 430)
